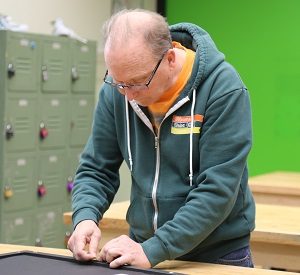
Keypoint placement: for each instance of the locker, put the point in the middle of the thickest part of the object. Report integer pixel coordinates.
(56, 72)
(47, 86)
(19, 117)
(51, 177)
(19, 181)
(82, 109)
(16, 228)
(48, 227)
(83, 67)
(54, 119)
(22, 62)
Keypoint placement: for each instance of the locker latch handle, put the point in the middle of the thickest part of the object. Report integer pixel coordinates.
(11, 70)
(44, 73)
(74, 74)
(9, 132)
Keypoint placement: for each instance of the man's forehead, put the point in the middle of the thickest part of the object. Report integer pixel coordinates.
(127, 54)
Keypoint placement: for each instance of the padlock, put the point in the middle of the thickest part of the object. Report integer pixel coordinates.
(70, 184)
(9, 132)
(8, 192)
(41, 190)
(10, 70)
(38, 242)
(43, 131)
(67, 237)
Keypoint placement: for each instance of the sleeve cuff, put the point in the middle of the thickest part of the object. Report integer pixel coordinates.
(84, 214)
(155, 250)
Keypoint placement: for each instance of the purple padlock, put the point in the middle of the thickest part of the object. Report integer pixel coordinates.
(70, 184)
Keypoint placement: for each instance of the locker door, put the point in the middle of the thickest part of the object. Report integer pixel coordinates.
(49, 229)
(51, 177)
(56, 71)
(82, 110)
(68, 228)
(83, 67)
(22, 62)
(72, 165)
(54, 121)
(20, 131)
(16, 228)
(19, 181)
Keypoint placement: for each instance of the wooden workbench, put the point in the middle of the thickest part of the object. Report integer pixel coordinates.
(281, 188)
(190, 268)
(113, 223)
(276, 240)
(274, 243)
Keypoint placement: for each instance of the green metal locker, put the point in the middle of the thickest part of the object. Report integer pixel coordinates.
(47, 86)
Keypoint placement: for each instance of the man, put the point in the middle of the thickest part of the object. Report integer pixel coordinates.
(179, 115)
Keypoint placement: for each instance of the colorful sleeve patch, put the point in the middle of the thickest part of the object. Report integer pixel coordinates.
(181, 125)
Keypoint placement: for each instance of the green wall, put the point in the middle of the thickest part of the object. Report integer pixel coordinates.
(262, 40)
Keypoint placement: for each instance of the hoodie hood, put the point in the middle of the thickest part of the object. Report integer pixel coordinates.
(197, 39)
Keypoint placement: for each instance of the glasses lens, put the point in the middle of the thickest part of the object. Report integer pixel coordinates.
(133, 87)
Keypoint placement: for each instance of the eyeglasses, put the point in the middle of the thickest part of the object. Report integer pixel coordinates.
(133, 87)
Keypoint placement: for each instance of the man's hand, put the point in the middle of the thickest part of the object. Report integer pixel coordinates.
(85, 233)
(121, 251)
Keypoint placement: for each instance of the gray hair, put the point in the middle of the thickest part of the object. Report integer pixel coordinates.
(156, 34)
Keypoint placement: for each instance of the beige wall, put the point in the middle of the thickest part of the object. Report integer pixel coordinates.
(86, 18)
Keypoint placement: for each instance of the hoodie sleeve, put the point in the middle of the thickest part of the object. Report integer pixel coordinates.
(97, 177)
(223, 148)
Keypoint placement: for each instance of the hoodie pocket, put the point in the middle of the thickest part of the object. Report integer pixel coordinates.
(168, 207)
(139, 216)
(141, 212)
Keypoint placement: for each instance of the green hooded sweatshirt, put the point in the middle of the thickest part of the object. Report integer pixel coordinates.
(190, 198)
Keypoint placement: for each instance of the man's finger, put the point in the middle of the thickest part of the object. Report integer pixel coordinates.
(93, 247)
(120, 261)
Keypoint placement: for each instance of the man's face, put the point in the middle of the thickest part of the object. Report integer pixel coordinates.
(137, 74)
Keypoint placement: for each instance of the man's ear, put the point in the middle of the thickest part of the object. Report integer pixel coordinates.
(171, 57)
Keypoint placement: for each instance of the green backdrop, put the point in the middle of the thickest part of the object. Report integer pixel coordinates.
(262, 40)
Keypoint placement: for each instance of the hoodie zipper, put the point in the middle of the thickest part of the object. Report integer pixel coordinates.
(157, 149)
(154, 189)
(157, 167)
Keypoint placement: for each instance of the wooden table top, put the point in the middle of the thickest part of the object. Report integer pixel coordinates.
(277, 224)
(282, 183)
(191, 268)
(114, 217)
(274, 223)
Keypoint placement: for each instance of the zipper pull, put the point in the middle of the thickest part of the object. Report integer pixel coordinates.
(156, 142)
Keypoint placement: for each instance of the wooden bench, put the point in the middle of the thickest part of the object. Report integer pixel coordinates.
(275, 241)
(281, 188)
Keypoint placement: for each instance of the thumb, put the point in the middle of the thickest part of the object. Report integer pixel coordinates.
(93, 245)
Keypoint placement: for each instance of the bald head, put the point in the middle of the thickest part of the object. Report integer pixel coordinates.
(137, 29)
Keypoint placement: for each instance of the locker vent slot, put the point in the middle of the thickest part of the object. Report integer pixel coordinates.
(24, 65)
(20, 184)
(56, 67)
(54, 123)
(22, 124)
(84, 68)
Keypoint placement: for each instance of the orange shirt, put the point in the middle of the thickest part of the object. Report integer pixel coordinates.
(160, 108)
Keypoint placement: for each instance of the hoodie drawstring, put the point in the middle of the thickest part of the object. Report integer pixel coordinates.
(128, 135)
(191, 137)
